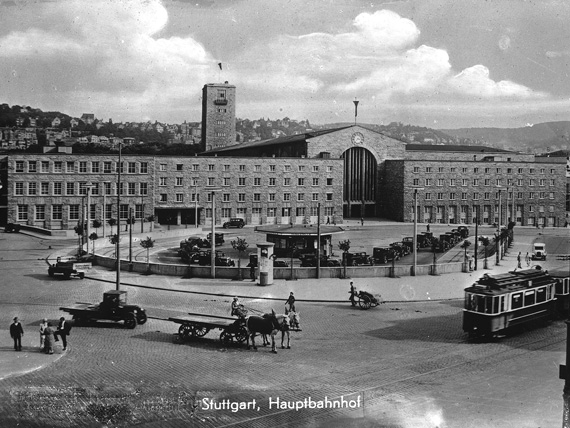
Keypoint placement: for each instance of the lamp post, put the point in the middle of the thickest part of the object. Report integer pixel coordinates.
(213, 238)
(131, 239)
(118, 274)
(415, 237)
(497, 240)
(196, 204)
(88, 186)
(318, 240)
(142, 213)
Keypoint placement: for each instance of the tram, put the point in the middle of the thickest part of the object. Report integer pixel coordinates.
(497, 302)
(562, 291)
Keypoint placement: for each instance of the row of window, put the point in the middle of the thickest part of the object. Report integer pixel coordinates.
(59, 188)
(75, 213)
(243, 168)
(502, 303)
(487, 170)
(241, 197)
(486, 211)
(487, 196)
(242, 181)
(105, 167)
(486, 182)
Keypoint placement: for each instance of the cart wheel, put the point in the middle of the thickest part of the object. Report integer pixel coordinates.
(226, 337)
(185, 331)
(241, 335)
(364, 302)
(199, 331)
(141, 318)
(130, 321)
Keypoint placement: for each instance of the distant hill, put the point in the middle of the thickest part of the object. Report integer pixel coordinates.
(541, 137)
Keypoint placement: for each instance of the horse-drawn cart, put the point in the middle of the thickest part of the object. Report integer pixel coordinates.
(198, 325)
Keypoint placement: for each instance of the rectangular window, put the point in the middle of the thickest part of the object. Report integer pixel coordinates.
(428, 168)
(180, 167)
(74, 212)
(329, 181)
(428, 196)
(452, 196)
(272, 181)
(143, 189)
(452, 182)
(300, 181)
(69, 189)
(329, 197)
(315, 197)
(272, 168)
(225, 197)
(315, 181)
(286, 181)
(178, 181)
(83, 167)
(301, 168)
(440, 181)
(329, 168)
(428, 181)
(57, 212)
(300, 212)
(107, 168)
(531, 195)
(476, 196)
(162, 167)
(40, 212)
(163, 197)
(286, 196)
(211, 167)
(32, 189)
(416, 182)
(45, 166)
(271, 196)
(440, 169)
(487, 182)
(300, 196)
(271, 211)
(257, 181)
(144, 168)
(22, 213)
(162, 181)
(132, 167)
(211, 181)
(19, 188)
(416, 169)
(464, 182)
(487, 195)
(257, 197)
(180, 197)
(44, 188)
(69, 166)
(257, 168)
(19, 166)
(32, 166)
(440, 196)
(226, 212)
(58, 167)
(475, 170)
(241, 197)
(242, 168)
(132, 189)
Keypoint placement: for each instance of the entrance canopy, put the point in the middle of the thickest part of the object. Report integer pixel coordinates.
(299, 238)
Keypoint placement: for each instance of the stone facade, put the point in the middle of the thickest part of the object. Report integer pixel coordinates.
(218, 115)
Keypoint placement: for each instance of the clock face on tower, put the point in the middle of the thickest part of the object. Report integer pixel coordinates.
(357, 138)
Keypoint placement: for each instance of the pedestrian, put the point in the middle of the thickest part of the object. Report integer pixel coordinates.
(43, 326)
(16, 333)
(291, 302)
(235, 307)
(519, 266)
(252, 271)
(427, 227)
(49, 339)
(362, 221)
(352, 294)
(328, 220)
(63, 328)
(527, 259)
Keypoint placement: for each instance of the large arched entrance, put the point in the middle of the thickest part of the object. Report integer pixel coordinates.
(360, 183)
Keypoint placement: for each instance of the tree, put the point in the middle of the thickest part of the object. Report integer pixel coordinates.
(93, 237)
(344, 246)
(97, 224)
(485, 242)
(240, 244)
(466, 244)
(79, 230)
(147, 243)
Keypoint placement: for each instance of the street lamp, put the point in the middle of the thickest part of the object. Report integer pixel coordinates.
(196, 204)
(213, 238)
(497, 240)
(88, 186)
(117, 251)
(415, 237)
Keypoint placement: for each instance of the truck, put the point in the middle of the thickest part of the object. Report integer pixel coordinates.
(69, 267)
(114, 307)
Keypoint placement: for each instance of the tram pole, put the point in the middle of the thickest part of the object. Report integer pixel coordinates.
(564, 374)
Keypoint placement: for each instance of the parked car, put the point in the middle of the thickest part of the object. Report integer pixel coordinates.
(539, 251)
(464, 230)
(12, 227)
(205, 257)
(310, 260)
(219, 240)
(401, 248)
(280, 263)
(384, 255)
(234, 222)
(408, 241)
(358, 259)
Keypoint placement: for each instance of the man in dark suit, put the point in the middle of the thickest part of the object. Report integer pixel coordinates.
(16, 332)
(63, 328)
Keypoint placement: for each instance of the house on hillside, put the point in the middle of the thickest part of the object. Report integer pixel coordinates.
(88, 118)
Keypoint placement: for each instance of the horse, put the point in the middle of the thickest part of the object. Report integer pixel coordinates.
(266, 324)
(291, 320)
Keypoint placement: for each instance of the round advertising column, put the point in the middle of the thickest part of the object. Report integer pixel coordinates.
(265, 262)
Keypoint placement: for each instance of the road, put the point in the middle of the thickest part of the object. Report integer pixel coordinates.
(408, 364)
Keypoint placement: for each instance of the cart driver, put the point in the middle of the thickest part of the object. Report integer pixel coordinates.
(352, 294)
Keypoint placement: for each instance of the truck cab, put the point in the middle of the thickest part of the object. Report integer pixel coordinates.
(539, 251)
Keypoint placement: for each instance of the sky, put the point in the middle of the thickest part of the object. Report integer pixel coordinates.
(437, 63)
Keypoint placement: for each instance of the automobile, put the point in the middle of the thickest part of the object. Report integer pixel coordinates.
(464, 230)
(69, 267)
(280, 263)
(114, 307)
(539, 251)
(205, 259)
(224, 261)
(310, 260)
(12, 227)
(384, 255)
(401, 248)
(234, 222)
(191, 242)
(219, 240)
(408, 241)
(357, 259)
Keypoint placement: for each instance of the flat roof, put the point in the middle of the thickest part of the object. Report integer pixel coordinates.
(298, 230)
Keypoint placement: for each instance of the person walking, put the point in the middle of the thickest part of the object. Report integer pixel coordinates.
(43, 326)
(427, 227)
(291, 302)
(519, 266)
(527, 259)
(63, 329)
(252, 271)
(352, 294)
(49, 339)
(16, 333)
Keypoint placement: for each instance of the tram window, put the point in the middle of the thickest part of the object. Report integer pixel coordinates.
(495, 305)
(503, 304)
(549, 292)
(529, 297)
(540, 295)
(469, 301)
(480, 304)
(516, 300)
(566, 285)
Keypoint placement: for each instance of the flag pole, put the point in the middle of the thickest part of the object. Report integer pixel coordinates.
(355, 109)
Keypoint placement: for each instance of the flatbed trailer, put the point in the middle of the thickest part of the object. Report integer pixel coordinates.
(196, 325)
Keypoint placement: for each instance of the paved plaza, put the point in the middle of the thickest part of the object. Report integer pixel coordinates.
(405, 363)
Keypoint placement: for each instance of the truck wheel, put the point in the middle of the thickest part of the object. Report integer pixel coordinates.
(130, 320)
(141, 318)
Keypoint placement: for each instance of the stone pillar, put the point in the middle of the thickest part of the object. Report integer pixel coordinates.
(265, 262)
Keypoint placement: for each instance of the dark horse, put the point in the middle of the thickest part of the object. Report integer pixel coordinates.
(289, 321)
(267, 324)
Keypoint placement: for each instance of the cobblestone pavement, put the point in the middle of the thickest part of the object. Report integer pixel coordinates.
(402, 364)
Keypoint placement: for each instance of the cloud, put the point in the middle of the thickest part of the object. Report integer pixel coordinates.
(103, 51)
